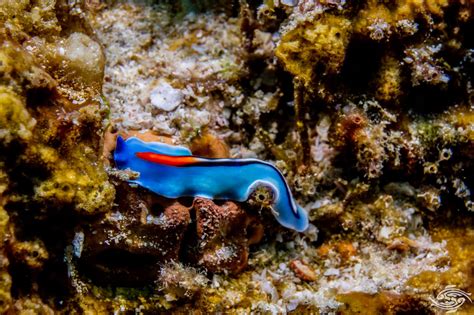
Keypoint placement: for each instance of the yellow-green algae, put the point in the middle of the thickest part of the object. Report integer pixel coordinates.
(314, 46)
(44, 130)
(16, 122)
(5, 278)
(74, 179)
(394, 15)
(460, 244)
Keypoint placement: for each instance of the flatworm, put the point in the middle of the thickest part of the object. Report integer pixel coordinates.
(173, 172)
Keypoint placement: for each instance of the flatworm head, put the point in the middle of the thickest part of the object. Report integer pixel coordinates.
(174, 172)
(263, 194)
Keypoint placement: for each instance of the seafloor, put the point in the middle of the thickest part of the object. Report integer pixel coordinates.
(365, 106)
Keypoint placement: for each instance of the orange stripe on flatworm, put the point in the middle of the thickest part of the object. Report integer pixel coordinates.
(167, 159)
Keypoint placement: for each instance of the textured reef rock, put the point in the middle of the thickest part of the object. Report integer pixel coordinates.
(224, 234)
(365, 106)
(143, 232)
(126, 245)
(51, 117)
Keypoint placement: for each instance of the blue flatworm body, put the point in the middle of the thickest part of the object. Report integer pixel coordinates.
(172, 172)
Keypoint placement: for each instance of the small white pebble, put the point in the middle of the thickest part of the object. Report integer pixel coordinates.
(332, 272)
(165, 97)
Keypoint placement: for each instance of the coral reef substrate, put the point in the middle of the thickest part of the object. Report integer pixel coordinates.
(365, 106)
